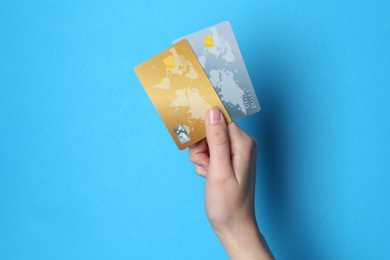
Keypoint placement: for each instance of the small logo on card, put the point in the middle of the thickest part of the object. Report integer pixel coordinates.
(169, 62)
(208, 41)
(181, 134)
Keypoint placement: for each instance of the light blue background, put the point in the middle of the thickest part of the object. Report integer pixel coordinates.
(88, 171)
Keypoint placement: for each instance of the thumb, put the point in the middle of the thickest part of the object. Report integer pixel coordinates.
(218, 140)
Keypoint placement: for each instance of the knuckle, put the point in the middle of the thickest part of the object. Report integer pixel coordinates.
(199, 171)
(219, 138)
(190, 156)
(253, 142)
(248, 143)
(195, 158)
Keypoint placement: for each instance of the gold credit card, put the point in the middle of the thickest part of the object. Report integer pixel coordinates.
(181, 92)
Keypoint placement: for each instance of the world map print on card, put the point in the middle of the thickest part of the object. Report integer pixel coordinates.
(181, 92)
(218, 53)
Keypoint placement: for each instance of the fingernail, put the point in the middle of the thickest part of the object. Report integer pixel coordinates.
(214, 115)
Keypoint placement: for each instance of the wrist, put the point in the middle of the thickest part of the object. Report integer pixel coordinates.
(242, 240)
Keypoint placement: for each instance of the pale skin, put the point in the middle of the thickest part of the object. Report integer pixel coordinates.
(227, 161)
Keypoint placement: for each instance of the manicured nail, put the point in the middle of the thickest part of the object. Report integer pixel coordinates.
(214, 116)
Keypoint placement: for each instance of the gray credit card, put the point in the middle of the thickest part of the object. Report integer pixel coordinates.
(218, 53)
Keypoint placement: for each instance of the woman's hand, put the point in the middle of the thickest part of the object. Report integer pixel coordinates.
(227, 159)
